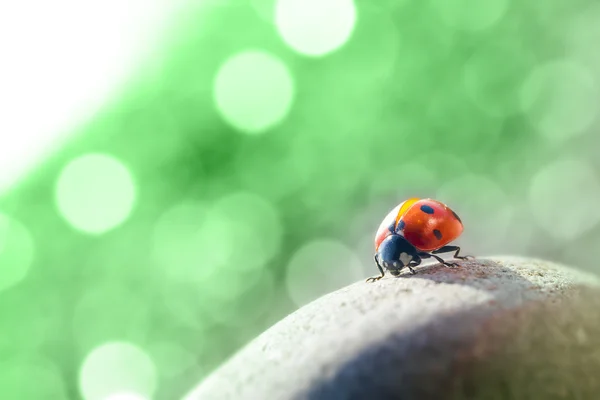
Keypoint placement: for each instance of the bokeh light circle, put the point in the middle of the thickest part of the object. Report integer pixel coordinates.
(95, 193)
(560, 99)
(16, 251)
(253, 91)
(470, 15)
(319, 267)
(117, 367)
(315, 27)
(564, 197)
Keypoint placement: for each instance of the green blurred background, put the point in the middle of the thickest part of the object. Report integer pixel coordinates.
(178, 175)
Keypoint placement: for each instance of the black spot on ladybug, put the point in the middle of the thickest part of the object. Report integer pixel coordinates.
(456, 216)
(426, 209)
(437, 234)
(401, 225)
(391, 227)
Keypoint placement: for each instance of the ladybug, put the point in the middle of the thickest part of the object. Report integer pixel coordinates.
(413, 230)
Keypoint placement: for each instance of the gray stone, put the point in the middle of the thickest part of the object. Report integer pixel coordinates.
(495, 328)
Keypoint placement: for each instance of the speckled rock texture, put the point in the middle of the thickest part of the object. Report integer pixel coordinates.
(494, 328)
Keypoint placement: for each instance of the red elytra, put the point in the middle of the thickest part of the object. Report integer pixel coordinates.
(427, 224)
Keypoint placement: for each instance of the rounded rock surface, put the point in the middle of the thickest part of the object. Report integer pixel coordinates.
(493, 328)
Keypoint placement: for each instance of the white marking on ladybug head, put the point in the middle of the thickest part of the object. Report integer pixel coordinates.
(396, 265)
(405, 258)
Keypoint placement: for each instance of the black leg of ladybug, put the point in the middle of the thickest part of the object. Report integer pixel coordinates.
(448, 249)
(440, 260)
(414, 262)
(376, 278)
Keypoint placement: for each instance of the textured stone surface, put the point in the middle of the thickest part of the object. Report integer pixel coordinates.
(495, 328)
